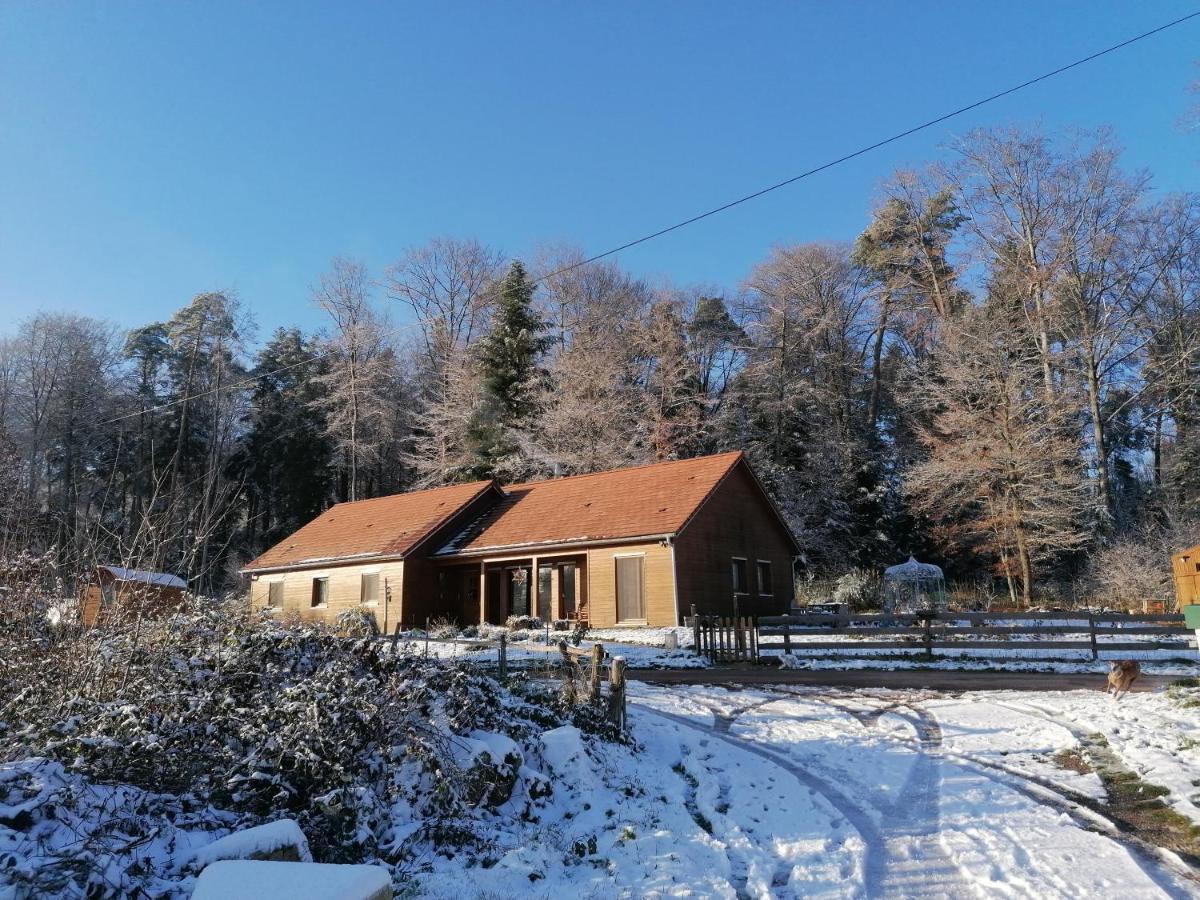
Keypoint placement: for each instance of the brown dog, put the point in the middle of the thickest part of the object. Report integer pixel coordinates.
(1122, 673)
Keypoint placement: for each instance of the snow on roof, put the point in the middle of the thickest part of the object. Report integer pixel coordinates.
(912, 570)
(248, 879)
(159, 578)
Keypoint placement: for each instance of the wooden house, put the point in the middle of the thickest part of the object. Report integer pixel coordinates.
(636, 546)
(1186, 568)
(112, 588)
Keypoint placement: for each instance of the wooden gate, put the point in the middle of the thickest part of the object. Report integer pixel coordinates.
(725, 638)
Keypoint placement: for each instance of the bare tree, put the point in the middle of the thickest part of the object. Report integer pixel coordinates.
(1003, 469)
(449, 286)
(355, 400)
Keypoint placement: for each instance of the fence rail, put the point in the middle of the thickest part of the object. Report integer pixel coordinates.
(1086, 633)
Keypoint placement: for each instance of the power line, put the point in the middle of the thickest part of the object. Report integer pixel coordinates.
(740, 200)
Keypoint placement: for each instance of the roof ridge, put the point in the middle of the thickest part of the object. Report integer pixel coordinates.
(429, 490)
(662, 462)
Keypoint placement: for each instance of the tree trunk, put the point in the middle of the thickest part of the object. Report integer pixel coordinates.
(877, 367)
(1093, 386)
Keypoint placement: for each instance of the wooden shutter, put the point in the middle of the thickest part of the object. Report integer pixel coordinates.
(630, 602)
(275, 594)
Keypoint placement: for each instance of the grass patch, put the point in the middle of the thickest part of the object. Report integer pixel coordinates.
(1185, 692)
(1073, 761)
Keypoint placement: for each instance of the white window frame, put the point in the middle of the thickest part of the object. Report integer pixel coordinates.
(733, 560)
(616, 600)
(769, 588)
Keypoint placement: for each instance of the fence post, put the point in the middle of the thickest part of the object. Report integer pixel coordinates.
(616, 693)
(696, 647)
(395, 637)
(503, 655)
(1092, 634)
(427, 637)
(787, 634)
(597, 664)
(738, 643)
(929, 636)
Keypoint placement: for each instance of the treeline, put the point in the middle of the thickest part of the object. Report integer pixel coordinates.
(1001, 373)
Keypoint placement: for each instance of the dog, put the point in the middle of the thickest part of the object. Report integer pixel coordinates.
(1122, 673)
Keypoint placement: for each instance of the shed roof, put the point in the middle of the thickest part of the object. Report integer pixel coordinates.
(642, 501)
(162, 579)
(384, 526)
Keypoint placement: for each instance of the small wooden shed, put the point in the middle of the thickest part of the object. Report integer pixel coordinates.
(113, 586)
(1186, 566)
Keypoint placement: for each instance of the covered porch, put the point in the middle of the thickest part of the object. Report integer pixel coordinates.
(547, 587)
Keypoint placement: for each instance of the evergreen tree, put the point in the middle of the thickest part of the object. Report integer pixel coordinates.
(287, 456)
(508, 359)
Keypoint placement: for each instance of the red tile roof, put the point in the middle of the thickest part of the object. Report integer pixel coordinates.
(643, 501)
(385, 526)
(648, 500)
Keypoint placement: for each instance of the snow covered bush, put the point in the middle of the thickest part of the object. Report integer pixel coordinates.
(859, 588)
(209, 720)
(523, 623)
(356, 623)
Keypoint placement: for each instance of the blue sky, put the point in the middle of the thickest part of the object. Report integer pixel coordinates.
(151, 151)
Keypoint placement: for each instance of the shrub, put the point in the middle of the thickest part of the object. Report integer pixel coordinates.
(859, 588)
(522, 623)
(356, 623)
(443, 629)
(231, 720)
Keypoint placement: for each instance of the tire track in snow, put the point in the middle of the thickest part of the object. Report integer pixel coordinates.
(916, 863)
(1172, 874)
(875, 848)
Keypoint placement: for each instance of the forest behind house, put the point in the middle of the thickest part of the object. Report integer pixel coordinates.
(1000, 374)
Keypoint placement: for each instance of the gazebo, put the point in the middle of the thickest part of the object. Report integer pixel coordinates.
(912, 587)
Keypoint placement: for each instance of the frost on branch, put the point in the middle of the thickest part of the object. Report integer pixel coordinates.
(137, 744)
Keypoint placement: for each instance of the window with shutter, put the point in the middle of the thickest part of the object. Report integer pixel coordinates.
(764, 577)
(320, 592)
(631, 605)
(739, 575)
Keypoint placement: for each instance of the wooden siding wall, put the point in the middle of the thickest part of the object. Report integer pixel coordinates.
(153, 598)
(1187, 576)
(345, 584)
(735, 521)
(658, 589)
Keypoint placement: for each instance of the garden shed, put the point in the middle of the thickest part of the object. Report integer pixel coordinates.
(114, 586)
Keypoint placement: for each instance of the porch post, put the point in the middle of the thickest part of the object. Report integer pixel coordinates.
(534, 607)
(555, 593)
(482, 591)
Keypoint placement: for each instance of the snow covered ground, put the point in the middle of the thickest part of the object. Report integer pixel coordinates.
(789, 791)
(926, 783)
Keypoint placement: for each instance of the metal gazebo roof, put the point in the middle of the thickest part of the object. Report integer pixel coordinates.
(912, 571)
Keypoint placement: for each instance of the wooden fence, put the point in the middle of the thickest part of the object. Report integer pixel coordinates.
(559, 659)
(1089, 634)
(725, 638)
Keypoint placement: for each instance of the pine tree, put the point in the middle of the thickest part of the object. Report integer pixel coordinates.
(287, 456)
(508, 359)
